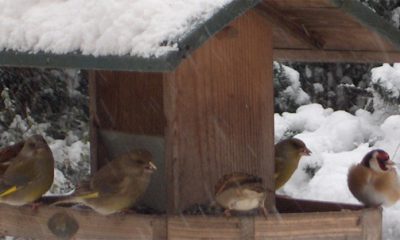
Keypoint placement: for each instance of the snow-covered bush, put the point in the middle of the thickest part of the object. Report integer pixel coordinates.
(288, 92)
(388, 9)
(386, 86)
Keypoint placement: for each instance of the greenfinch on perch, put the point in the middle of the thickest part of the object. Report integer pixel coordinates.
(29, 174)
(118, 184)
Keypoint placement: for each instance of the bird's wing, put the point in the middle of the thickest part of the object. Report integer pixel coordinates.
(279, 166)
(108, 180)
(388, 185)
(20, 172)
(234, 180)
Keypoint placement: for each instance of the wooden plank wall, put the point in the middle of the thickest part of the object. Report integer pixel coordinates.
(126, 102)
(219, 107)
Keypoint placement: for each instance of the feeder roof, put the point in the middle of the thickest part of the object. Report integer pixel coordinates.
(155, 35)
(139, 35)
(330, 30)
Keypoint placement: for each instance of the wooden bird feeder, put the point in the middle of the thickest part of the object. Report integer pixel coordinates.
(207, 110)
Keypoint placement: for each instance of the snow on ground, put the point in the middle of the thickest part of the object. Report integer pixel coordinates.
(100, 27)
(337, 140)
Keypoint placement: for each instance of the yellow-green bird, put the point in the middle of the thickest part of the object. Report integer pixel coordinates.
(117, 185)
(287, 155)
(29, 174)
(240, 192)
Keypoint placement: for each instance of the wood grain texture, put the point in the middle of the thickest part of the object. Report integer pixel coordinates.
(371, 221)
(123, 101)
(335, 56)
(329, 225)
(291, 26)
(193, 227)
(286, 204)
(353, 39)
(338, 30)
(345, 224)
(320, 17)
(130, 102)
(25, 222)
(96, 146)
(219, 107)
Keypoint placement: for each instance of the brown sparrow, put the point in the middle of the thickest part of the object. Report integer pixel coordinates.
(240, 192)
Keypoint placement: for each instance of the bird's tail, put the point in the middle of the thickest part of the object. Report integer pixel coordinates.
(69, 200)
(81, 199)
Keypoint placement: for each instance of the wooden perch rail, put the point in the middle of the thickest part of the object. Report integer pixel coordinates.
(49, 222)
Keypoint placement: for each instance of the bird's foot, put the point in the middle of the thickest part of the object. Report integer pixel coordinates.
(35, 205)
(227, 213)
(127, 212)
(264, 211)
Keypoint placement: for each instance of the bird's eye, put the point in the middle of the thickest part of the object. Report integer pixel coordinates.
(382, 159)
(31, 145)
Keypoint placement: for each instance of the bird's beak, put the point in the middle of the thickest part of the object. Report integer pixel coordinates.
(306, 152)
(151, 166)
(390, 164)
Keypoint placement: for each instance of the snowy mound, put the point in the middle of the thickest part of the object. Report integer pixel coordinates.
(119, 27)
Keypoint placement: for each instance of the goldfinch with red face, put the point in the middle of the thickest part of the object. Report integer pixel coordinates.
(287, 156)
(240, 192)
(374, 181)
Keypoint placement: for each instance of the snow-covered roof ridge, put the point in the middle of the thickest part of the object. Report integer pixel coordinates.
(119, 35)
(144, 28)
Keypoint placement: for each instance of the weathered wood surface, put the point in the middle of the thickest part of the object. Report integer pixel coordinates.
(292, 27)
(219, 107)
(335, 56)
(301, 3)
(25, 222)
(129, 102)
(40, 224)
(291, 205)
(299, 27)
(307, 226)
(125, 102)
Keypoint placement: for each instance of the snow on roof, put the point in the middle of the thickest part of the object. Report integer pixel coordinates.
(141, 28)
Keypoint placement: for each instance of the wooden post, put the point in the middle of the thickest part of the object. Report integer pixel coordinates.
(219, 109)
